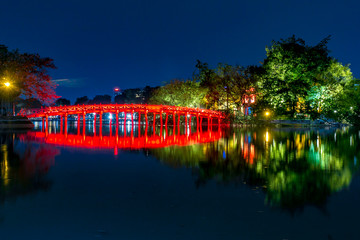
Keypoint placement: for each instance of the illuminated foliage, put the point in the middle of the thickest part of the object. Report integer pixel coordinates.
(27, 74)
(179, 93)
(327, 98)
(291, 69)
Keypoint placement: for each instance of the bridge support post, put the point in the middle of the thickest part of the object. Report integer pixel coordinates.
(154, 121)
(178, 125)
(65, 125)
(42, 124)
(197, 121)
(47, 125)
(84, 118)
(174, 116)
(186, 119)
(100, 120)
(84, 122)
(78, 124)
(132, 118)
(61, 124)
(161, 115)
(166, 120)
(146, 118)
(117, 117)
(125, 120)
(47, 121)
(94, 124)
(139, 120)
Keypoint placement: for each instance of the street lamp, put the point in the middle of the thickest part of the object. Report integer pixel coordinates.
(7, 85)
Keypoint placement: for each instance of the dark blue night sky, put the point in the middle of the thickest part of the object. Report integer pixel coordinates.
(97, 45)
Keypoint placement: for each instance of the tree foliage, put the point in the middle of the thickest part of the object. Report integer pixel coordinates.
(226, 86)
(101, 99)
(62, 102)
(82, 100)
(179, 93)
(291, 69)
(27, 74)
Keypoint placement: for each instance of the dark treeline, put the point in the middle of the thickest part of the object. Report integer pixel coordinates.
(131, 95)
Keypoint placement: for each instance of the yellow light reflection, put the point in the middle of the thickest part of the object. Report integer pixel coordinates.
(267, 136)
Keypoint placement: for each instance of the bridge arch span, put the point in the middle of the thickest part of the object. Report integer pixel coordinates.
(140, 109)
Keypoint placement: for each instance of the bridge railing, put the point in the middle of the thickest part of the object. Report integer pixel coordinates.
(116, 108)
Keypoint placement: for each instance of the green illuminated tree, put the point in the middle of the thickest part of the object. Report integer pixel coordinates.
(291, 69)
(186, 93)
(336, 94)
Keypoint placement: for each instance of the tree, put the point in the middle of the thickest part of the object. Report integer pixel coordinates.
(82, 100)
(101, 99)
(187, 93)
(291, 69)
(27, 75)
(226, 86)
(325, 98)
(148, 92)
(62, 102)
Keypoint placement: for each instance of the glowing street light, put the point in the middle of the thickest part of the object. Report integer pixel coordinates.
(7, 84)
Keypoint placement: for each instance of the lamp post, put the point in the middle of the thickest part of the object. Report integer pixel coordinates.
(7, 85)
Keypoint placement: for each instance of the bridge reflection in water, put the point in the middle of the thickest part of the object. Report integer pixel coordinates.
(129, 137)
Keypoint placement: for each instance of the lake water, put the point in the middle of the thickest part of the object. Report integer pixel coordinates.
(244, 183)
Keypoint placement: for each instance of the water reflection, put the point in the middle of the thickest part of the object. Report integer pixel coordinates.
(293, 167)
(131, 137)
(23, 169)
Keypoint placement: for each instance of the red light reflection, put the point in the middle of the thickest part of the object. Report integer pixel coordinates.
(122, 142)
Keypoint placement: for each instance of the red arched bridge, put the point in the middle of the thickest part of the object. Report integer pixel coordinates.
(139, 109)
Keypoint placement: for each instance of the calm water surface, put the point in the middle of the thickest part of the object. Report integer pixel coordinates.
(245, 183)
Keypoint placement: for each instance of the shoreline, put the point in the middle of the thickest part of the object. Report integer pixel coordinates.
(17, 122)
